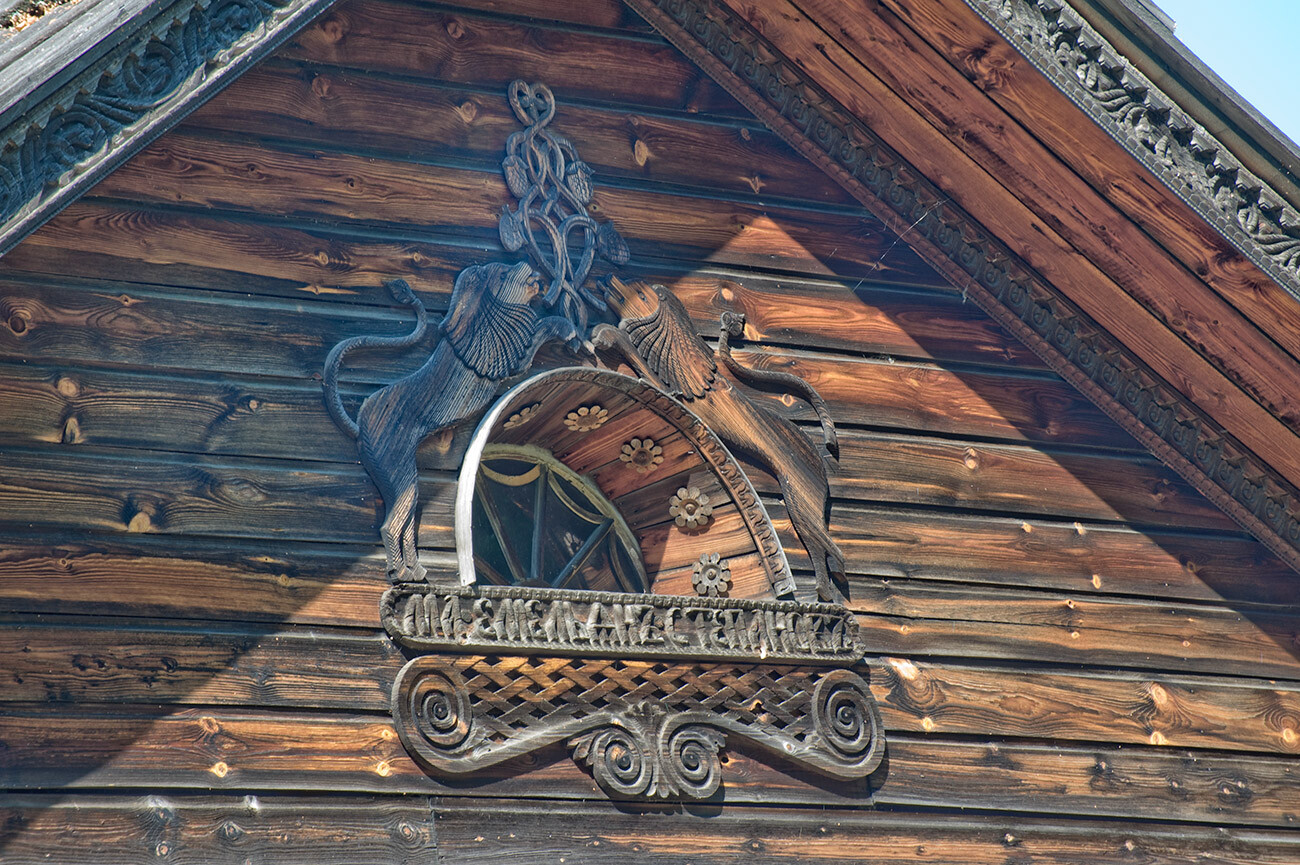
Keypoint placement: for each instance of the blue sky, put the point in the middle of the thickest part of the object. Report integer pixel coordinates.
(1254, 45)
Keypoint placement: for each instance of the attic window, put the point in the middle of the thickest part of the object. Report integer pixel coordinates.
(538, 523)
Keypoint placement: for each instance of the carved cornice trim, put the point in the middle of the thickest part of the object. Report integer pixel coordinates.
(57, 145)
(987, 271)
(1189, 160)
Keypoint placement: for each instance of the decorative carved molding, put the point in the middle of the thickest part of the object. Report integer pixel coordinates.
(54, 149)
(643, 728)
(1168, 424)
(491, 333)
(655, 335)
(705, 442)
(523, 620)
(1181, 152)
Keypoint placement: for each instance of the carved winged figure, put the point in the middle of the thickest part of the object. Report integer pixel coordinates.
(491, 332)
(656, 336)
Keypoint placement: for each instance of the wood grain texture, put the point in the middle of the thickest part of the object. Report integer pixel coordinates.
(958, 35)
(980, 194)
(115, 661)
(251, 750)
(472, 831)
(340, 109)
(250, 177)
(1064, 201)
(198, 830)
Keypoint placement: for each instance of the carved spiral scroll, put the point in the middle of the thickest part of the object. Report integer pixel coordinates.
(691, 764)
(619, 759)
(435, 706)
(845, 715)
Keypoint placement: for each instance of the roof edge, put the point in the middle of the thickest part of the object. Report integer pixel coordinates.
(1254, 215)
(73, 119)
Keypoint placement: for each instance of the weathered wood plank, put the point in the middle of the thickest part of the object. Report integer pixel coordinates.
(70, 660)
(468, 48)
(994, 67)
(251, 750)
(203, 331)
(136, 574)
(345, 110)
(262, 418)
(915, 619)
(513, 831)
(1090, 559)
(1009, 219)
(241, 176)
(1040, 177)
(101, 241)
(1157, 785)
(199, 830)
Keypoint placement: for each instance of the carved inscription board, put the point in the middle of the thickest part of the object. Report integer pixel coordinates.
(499, 618)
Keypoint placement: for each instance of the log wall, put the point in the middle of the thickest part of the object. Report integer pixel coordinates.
(1077, 658)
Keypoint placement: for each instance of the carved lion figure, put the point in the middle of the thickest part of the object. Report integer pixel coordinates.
(658, 339)
(490, 333)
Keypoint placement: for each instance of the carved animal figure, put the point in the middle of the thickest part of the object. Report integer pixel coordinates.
(656, 336)
(490, 333)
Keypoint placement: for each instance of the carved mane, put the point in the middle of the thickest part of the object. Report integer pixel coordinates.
(488, 327)
(668, 343)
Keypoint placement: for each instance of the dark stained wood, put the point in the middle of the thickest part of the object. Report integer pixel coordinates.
(473, 831)
(915, 619)
(70, 660)
(1064, 201)
(962, 39)
(252, 750)
(342, 109)
(209, 830)
(190, 568)
(467, 48)
(207, 172)
(1003, 213)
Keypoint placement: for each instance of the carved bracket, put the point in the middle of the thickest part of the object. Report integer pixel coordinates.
(643, 728)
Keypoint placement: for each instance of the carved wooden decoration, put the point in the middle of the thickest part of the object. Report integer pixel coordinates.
(644, 629)
(643, 690)
(656, 337)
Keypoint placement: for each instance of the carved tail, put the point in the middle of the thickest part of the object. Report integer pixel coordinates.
(733, 324)
(403, 294)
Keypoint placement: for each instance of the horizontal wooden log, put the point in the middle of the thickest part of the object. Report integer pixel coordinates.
(512, 831)
(912, 619)
(223, 579)
(240, 176)
(122, 661)
(1088, 559)
(262, 418)
(339, 109)
(149, 328)
(468, 48)
(207, 830)
(100, 241)
(248, 750)
(605, 14)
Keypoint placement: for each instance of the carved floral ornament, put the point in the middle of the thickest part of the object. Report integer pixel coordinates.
(557, 633)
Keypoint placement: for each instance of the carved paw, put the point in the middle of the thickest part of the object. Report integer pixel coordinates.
(733, 323)
(604, 337)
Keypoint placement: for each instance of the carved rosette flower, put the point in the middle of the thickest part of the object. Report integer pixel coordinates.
(523, 416)
(642, 454)
(586, 418)
(712, 576)
(690, 508)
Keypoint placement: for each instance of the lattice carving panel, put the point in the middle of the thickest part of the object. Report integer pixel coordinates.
(642, 727)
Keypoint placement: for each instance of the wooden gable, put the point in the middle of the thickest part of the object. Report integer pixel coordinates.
(1063, 635)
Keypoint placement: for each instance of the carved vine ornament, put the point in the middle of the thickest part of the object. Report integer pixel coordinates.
(557, 632)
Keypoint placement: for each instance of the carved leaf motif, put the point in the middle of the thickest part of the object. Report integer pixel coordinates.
(610, 244)
(512, 231)
(578, 178)
(516, 175)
